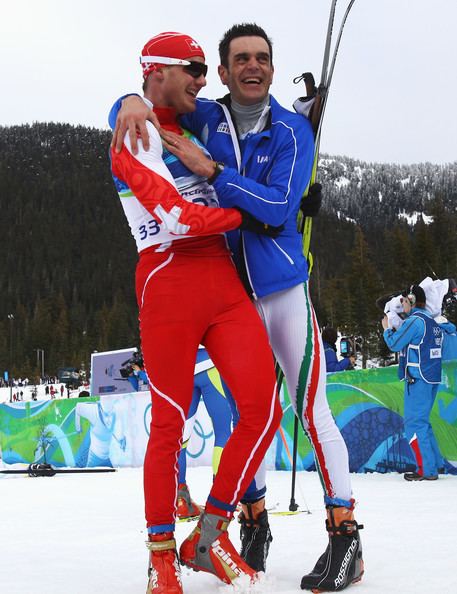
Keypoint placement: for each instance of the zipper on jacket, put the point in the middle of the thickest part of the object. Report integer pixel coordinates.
(243, 270)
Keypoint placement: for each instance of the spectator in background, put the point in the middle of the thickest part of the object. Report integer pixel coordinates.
(329, 338)
(419, 340)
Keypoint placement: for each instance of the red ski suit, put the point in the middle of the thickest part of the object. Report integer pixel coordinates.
(188, 294)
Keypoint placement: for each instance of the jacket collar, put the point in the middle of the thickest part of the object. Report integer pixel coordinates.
(226, 100)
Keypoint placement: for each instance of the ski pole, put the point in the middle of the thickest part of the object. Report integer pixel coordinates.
(293, 506)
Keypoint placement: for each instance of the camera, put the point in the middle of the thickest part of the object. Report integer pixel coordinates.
(350, 345)
(126, 369)
(449, 305)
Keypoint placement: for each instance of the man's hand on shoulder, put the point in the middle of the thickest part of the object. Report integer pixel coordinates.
(132, 118)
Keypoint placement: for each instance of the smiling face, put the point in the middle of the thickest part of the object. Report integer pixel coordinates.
(249, 73)
(178, 89)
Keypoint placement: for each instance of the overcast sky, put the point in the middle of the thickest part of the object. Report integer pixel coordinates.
(393, 94)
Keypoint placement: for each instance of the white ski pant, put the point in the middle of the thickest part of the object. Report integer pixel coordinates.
(296, 341)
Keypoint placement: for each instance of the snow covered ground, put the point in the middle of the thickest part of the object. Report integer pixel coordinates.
(84, 534)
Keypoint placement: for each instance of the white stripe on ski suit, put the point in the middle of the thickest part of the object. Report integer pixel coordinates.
(151, 274)
(256, 447)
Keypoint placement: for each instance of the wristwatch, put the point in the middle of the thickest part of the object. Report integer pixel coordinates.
(218, 169)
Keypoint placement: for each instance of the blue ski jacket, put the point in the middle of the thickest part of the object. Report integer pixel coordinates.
(266, 174)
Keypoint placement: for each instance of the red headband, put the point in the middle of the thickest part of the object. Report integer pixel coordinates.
(170, 45)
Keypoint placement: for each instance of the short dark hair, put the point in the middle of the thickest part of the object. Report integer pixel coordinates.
(242, 30)
(329, 335)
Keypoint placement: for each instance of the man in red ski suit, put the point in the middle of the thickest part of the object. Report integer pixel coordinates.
(178, 227)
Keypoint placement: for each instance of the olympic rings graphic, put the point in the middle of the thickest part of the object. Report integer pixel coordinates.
(145, 419)
(198, 430)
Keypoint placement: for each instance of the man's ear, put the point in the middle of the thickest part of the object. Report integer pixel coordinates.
(223, 74)
(159, 72)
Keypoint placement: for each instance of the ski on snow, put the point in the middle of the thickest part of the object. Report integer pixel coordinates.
(48, 470)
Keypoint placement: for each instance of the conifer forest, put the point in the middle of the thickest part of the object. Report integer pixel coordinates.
(67, 258)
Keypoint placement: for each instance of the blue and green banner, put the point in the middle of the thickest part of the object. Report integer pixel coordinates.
(368, 409)
(113, 430)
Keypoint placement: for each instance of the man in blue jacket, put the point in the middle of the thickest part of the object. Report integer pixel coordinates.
(329, 337)
(262, 157)
(419, 340)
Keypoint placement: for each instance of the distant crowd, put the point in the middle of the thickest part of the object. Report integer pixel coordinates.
(50, 391)
(46, 388)
(20, 383)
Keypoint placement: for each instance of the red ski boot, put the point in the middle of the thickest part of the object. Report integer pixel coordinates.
(208, 548)
(164, 570)
(186, 508)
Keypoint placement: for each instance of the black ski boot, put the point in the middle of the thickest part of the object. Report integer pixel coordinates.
(255, 537)
(341, 564)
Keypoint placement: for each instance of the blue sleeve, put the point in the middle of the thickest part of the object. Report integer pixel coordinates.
(133, 381)
(287, 180)
(332, 363)
(409, 332)
(115, 110)
(448, 328)
(343, 364)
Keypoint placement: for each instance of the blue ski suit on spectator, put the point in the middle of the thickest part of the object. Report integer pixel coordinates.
(216, 397)
(331, 360)
(420, 340)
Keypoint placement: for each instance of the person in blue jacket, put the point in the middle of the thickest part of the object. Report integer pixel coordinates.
(209, 387)
(329, 337)
(419, 341)
(262, 159)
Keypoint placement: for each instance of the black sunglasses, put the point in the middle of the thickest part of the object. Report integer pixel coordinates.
(196, 69)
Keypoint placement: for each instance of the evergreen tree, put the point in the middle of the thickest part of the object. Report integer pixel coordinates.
(364, 287)
(397, 263)
(68, 258)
